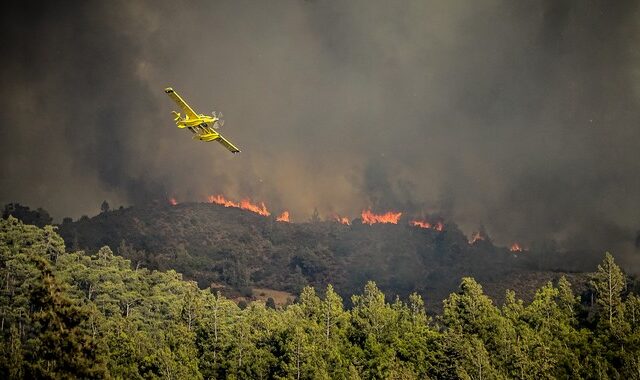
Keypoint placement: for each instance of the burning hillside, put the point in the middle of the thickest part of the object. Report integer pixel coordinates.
(368, 217)
(223, 242)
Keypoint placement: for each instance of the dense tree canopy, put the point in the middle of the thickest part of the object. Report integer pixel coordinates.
(75, 315)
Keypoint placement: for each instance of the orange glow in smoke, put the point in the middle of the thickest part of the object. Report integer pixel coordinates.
(244, 204)
(173, 201)
(515, 247)
(284, 217)
(369, 217)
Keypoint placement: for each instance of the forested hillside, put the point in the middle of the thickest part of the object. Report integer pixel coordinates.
(69, 314)
(238, 250)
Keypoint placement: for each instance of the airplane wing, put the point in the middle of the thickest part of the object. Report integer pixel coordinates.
(227, 144)
(185, 107)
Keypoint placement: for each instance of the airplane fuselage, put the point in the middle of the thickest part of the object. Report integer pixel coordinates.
(203, 119)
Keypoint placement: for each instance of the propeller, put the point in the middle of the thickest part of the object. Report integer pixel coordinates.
(219, 123)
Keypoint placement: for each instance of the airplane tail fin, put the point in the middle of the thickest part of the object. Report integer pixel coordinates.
(176, 115)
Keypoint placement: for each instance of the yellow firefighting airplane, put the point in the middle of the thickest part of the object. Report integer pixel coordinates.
(201, 125)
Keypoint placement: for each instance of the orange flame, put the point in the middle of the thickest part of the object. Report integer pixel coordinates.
(342, 219)
(284, 217)
(244, 204)
(476, 238)
(369, 217)
(438, 226)
(219, 199)
(515, 247)
(173, 201)
(420, 223)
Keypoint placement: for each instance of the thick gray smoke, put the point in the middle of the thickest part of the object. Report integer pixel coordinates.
(520, 116)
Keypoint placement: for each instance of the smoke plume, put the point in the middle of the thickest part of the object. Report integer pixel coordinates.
(519, 116)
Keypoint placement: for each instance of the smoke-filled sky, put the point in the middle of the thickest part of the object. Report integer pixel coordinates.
(519, 116)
